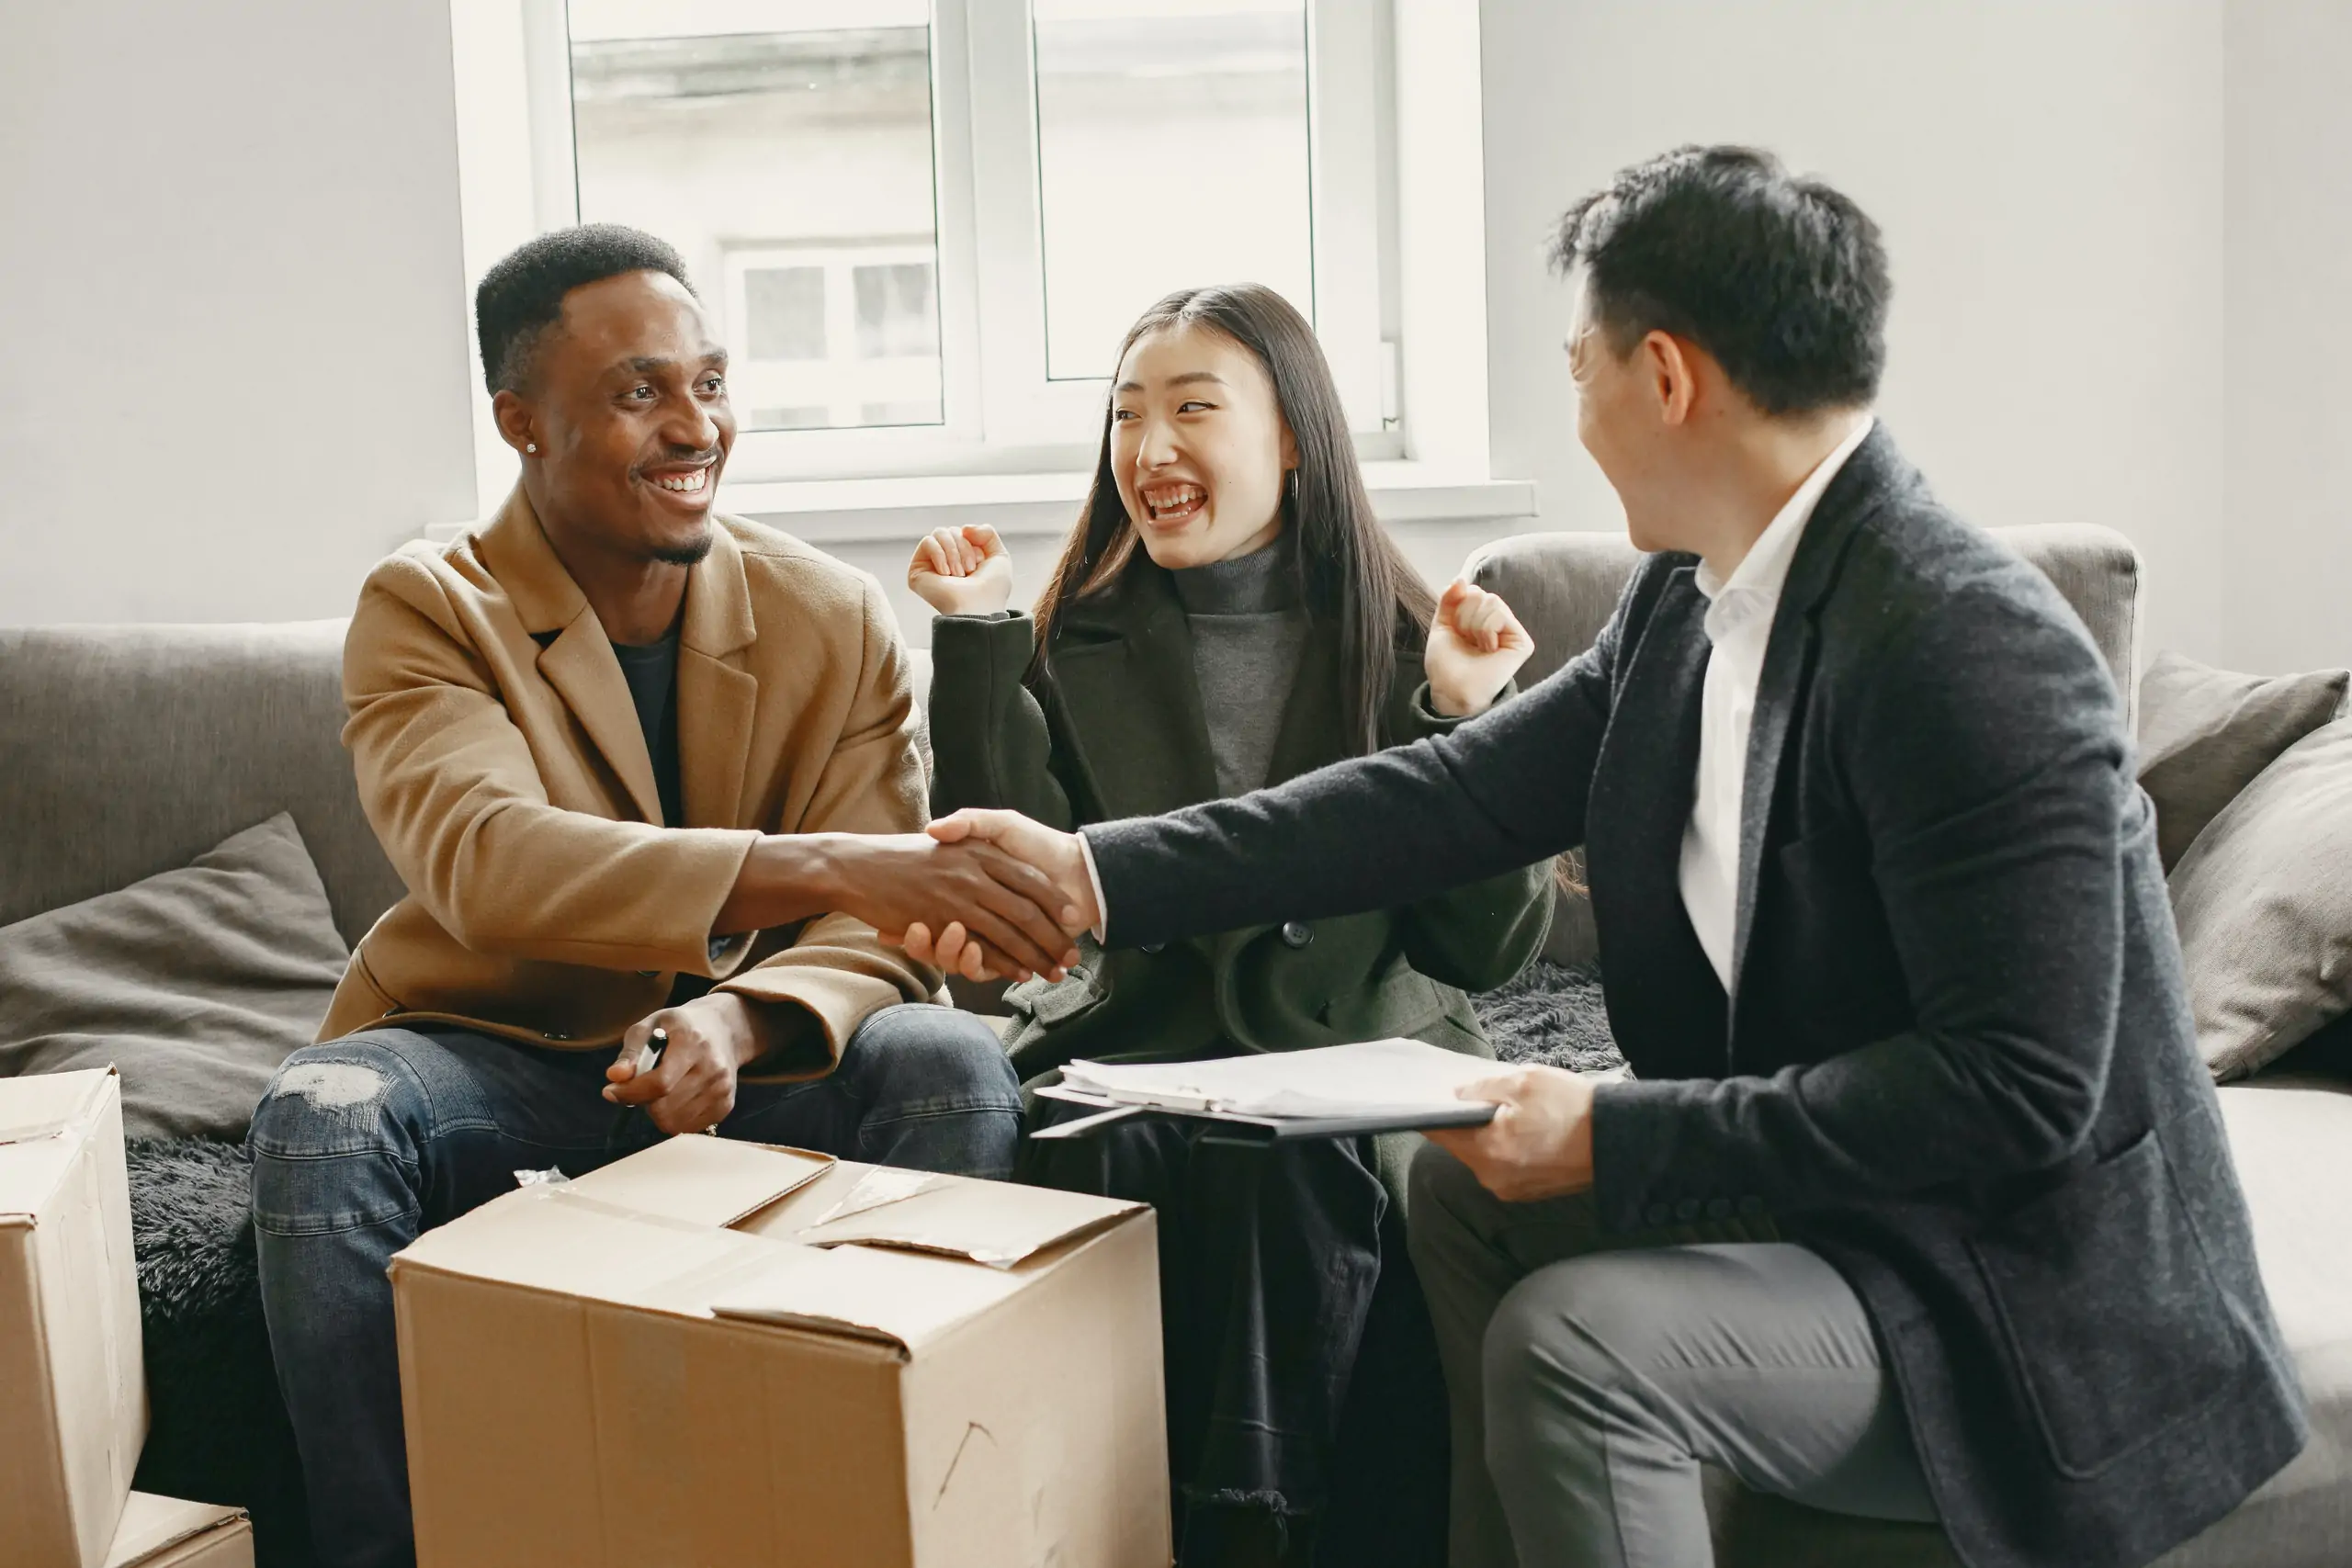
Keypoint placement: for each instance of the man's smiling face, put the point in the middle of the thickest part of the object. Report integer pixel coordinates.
(628, 400)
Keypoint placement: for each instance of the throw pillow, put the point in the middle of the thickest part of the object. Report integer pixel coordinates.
(196, 982)
(2264, 902)
(2206, 733)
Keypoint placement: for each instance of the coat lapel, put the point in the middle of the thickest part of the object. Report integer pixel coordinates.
(578, 662)
(1124, 672)
(1664, 1001)
(717, 697)
(1853, 495)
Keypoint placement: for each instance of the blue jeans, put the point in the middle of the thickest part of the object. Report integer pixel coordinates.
(363, 1142)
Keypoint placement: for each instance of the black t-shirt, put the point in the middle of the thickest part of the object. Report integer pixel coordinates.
(651, 671)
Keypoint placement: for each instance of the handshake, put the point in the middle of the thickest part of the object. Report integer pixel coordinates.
(1038, 896)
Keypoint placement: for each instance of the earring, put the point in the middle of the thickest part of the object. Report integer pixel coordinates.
(1290, 483)
(531, 446)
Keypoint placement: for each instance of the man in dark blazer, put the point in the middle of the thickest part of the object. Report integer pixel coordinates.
(1918, 1203)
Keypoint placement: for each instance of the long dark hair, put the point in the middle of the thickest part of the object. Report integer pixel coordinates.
(1351, 573)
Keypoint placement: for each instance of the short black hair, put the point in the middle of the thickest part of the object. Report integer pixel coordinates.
(1784, 280)
(522, 296)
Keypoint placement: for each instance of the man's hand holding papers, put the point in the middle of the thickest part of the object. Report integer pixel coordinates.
(1539, 1143)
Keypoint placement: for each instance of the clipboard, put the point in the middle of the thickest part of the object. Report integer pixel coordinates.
(1229, 1127)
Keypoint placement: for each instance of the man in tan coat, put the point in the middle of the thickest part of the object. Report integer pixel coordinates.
(649, 776)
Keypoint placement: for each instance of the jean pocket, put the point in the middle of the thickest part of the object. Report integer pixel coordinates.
(2116, 1326)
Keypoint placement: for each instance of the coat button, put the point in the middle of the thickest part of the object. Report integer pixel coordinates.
(1658, 1214)
(1298, 934)
(1719, 1208)
(1687, 1209)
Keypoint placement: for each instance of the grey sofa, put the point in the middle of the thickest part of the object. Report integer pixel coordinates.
(2290, 1132)
(125, 752)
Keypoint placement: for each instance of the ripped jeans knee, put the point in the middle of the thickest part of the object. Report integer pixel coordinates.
(340, 1135)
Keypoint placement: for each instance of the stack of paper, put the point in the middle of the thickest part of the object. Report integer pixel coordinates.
(1379, 1078)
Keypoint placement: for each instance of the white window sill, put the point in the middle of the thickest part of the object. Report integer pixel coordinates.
(832, 512)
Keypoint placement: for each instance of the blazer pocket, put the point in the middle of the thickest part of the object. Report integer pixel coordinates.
(2111, 1314)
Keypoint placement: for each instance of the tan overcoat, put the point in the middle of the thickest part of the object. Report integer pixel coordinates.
(501, 765)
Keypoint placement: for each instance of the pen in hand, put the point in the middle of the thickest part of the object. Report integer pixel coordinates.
(648, 1055)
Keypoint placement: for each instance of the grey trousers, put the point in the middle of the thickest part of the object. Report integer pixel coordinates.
(1590, 1374)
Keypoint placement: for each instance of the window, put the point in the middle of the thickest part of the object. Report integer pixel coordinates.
(922, 225)
(830, 337)
(1172, 148)
(790, 156)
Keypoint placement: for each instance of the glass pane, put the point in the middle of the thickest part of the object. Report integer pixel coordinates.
(784, 311)
(895, 310)
(1173, 152)
(788, 157)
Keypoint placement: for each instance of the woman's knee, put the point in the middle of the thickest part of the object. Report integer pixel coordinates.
(916, 1055)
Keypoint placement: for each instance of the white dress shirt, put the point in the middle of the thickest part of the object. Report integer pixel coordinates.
(1739, 623)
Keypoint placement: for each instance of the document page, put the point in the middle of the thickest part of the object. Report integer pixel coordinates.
(1377, 1077)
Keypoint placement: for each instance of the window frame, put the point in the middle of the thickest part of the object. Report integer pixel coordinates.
(1404, 335)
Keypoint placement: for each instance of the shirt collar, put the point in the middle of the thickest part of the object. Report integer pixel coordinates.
(1766, 565)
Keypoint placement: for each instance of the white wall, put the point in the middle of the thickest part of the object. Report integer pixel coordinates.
(2047, 174)
(2288, 596)
(230, 296)
(232, 293)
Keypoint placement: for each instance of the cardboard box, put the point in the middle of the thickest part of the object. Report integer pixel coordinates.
(165, 1533)
(721, 1353)
(73, 1381)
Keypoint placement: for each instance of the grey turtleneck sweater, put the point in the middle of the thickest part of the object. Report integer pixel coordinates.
(1249, 628)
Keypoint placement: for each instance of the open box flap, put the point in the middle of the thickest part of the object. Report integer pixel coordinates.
(982, 1220)
(564, 1242)
(37, 1115)
(901, 1300)
(560, 1240)
(150, 1523)
(711, 1181)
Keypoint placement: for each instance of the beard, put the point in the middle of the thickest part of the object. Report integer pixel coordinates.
(688, 554)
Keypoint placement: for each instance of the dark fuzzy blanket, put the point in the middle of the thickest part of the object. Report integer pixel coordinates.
(1551, 1014)
(216, 1430)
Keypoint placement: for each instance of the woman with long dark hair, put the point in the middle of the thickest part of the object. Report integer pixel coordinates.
(1229, 613)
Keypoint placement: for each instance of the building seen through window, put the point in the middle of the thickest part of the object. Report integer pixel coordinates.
(793, 170)
(791, 149)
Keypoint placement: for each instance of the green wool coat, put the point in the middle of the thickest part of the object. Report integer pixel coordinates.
(1122, 735)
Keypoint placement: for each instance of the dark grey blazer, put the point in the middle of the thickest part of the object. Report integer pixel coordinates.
(1961, 1065)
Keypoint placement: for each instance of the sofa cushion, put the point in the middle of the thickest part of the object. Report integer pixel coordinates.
(196, 982)
(127, 750)
(2264, 902)
(2205, 734)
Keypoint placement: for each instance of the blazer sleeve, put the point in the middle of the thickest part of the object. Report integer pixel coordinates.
(1984, 750)
(1476, 936)
(449, 784)
(1502, 791)
(990, 742)
(837, 967)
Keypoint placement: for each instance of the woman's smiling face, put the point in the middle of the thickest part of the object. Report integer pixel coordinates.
(1199, 447)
